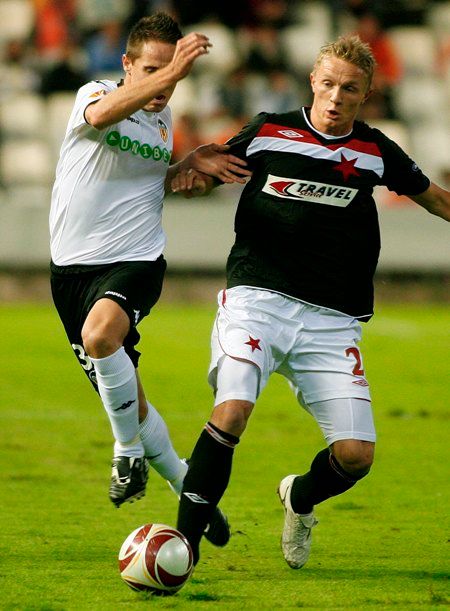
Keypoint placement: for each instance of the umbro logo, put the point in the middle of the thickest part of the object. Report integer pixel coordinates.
(290, 133)
(196, 498)
(125, 405)
(133, 120)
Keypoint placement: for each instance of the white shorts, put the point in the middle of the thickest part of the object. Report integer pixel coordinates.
(315, 349)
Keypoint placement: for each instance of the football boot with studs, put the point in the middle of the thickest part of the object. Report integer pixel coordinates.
(296, 537)
(128, 479)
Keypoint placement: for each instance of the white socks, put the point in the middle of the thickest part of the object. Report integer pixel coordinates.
(117, 385)
(159, 450)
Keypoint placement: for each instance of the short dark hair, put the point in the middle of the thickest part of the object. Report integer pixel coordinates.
(159, 26)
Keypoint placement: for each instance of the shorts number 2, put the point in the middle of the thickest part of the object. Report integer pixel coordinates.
(357, 369)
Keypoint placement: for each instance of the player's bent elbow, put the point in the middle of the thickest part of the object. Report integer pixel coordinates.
(96, 118)
(98, 123)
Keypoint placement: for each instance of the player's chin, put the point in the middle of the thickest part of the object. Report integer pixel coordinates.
(156, 106)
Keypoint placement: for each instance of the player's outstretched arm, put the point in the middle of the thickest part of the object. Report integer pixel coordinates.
(191, 183)
(214, 161)
(124, 101)
(436, 200)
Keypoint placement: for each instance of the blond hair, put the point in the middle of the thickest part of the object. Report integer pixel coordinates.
(351, 49)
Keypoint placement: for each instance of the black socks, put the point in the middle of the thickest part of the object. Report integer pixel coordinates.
(325, 478)
(205, 482)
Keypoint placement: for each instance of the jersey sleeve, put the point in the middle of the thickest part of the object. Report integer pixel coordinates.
(401, 174)
(86, 95)
(240, 142)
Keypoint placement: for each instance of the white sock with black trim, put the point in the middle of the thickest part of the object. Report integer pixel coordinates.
(159, 449)
(117, 386)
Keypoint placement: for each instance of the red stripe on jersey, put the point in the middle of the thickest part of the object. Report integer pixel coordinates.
(283, 132)
(370, 148)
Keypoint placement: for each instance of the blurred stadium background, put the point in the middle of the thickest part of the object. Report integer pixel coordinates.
(263, 51)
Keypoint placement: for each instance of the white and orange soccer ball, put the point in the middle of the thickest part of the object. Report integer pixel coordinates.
(156, 558)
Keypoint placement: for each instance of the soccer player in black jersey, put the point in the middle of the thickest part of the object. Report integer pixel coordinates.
(299, 281)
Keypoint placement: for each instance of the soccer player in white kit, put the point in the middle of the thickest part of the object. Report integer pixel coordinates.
(299, 281)
(107, 239)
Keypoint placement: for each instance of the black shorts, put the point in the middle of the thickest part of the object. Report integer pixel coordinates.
(134, 285)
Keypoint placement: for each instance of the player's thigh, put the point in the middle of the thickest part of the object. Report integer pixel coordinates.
(248, 331)
(325, 362)
(72, 295)
(105, 328)
(236, 380)
(344, 419)
(135, 286)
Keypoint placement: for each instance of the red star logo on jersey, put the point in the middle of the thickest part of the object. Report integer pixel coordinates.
(254, 343)
(347, 167)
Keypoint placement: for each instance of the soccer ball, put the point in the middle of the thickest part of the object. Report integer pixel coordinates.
(156, 558)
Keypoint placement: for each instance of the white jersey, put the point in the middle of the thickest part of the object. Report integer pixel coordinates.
(108, 195)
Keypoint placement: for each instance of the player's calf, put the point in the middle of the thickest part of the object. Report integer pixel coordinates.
(205, 482)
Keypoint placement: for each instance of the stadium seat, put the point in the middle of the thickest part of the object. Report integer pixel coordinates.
(23, 115)
(16, 79)
(416, 47)
(345, 23)
(25, 162)
(91, 14)
(222, 56)
(184, 98)
(315, 15)
(16, 19)
(29, 196)
(59, 108)
(206, 95)
(301, 43)
(438, 19)
(417, 96)
(431, 147)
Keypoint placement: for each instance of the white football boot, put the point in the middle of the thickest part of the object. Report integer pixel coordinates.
(296, 537)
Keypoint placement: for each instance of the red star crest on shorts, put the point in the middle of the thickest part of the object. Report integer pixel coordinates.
(253, 343)
(347, 167)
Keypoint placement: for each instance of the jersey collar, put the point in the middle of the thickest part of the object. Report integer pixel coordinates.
(305, 110)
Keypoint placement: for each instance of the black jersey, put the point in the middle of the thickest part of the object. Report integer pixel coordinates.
(306, 223)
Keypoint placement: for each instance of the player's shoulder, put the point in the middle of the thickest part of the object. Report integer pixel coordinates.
(291, 115)
(364, 131)
(290, 118)
(96, 89)
(271, 120)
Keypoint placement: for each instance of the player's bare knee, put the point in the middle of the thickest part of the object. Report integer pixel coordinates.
(354, 456)
(98, 343)
(232, 416)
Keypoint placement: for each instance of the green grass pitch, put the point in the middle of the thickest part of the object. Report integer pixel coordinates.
(383, 544)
